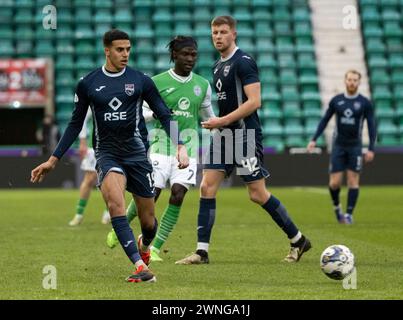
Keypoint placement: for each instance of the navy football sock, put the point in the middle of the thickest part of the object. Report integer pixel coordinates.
(205, 219)
(148, 235)
(126, 237)
(279, 214)
(334, 193)
(352, 199)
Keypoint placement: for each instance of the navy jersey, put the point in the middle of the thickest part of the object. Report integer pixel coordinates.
(116, 101)
(350, 114)
(230, 75)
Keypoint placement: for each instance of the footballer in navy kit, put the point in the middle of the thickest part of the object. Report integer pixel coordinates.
(115, 94)
(237, 86)
(351, 109)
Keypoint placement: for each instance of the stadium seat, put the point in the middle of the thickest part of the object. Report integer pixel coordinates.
(161, 29)
(375, 45)
(64, 15)
(264, 29)
(386, 126)
(65, 78)
(103, 16)
(263, 14)
(64, 62)
(102, 4)
(388, 140)
(7, 49)
(84, 47)
(64, 46)
(24, 32)
(184, 28)
(145, 30)
(291, 110)
(275, 142)
(23, 48)
(295, 141)
(310, 127)
(84, 31)
(272, 127)
(44, 48)
(23, 16)
(242, 14)
(293, 127)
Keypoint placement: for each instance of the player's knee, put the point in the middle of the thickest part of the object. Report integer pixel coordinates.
(256, 197)
(177, 194)
(115, 207)
(177, 198)
(334, 185)
(207, 189)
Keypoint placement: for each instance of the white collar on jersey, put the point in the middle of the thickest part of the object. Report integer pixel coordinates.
(348, 96)
(230, 56)
(109, 74)
(180, 78)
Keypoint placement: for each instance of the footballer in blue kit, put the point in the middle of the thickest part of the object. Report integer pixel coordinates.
(237, 143)
(115, 94)
(351, 110)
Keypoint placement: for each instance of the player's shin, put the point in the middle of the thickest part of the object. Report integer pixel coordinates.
(279, 214)
(167, 223)
(148, 235)
(126, 238)
(352, 198)
(205, 223)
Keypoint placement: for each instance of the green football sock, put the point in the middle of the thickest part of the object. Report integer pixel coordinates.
(131, 211)
(81, 206)
(167, 223)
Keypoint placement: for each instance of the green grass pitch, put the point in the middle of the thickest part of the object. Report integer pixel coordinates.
(245, 255)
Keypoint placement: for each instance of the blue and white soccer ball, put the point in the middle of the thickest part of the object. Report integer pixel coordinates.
(337, 262)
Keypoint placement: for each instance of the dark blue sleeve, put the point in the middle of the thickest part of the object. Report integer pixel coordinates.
(324, 121)
(247, 70)
(371, 125)
(160, 109)
(81, 103)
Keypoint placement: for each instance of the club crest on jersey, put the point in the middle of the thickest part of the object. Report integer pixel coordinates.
(357, 105)
(226, 70)
(129, 89)
(197, 90)
(183, 103)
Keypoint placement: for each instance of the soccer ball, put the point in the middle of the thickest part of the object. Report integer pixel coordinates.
(337, 262)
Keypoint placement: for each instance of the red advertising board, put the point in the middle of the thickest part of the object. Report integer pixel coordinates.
(24, 82)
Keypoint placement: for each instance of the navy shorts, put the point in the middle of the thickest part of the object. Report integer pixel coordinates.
(139, 174)
(238, 149)
(343, 158)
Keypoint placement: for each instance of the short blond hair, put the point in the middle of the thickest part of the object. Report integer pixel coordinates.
(353, 71)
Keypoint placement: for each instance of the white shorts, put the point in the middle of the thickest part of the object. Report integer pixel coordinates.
(89, 161)
(166, 168)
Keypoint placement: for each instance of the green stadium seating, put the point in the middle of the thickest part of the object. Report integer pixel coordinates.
(273, 127)
(23, 16)
(277, 33)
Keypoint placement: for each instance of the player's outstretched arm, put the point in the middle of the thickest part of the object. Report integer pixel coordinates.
(38, 174)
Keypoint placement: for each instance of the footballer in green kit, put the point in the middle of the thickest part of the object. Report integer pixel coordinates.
(188, 95)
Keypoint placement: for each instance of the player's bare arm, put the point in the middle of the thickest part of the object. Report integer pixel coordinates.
(253, 102)
(38, 174)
